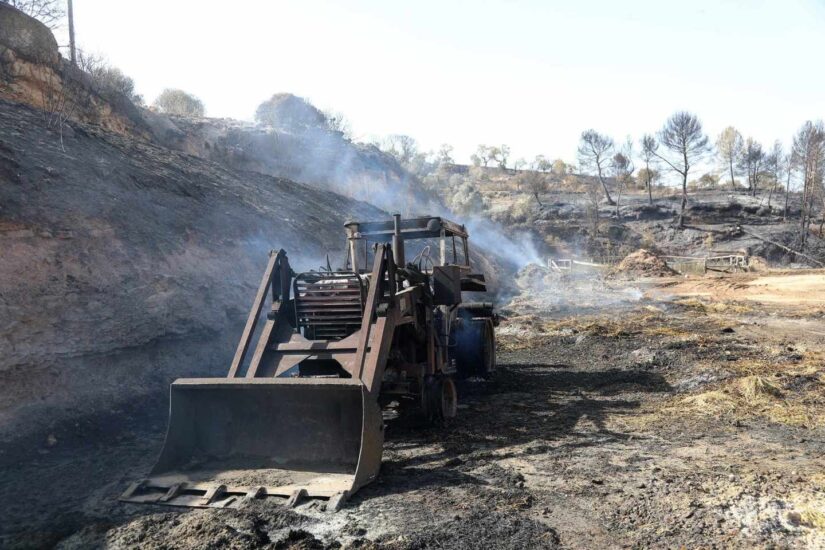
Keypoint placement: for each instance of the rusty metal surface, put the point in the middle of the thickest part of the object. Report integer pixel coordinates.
(304, 420)
(277, 436)
(328, 306)
(254, 314)
(410, 228)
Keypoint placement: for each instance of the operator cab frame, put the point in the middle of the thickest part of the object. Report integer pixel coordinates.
(451, 266)
(397, 231)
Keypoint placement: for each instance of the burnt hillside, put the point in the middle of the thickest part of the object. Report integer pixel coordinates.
(132, 242)
(126, 264)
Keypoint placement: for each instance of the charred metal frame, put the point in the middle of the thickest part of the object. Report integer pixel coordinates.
(397, 230)
(362, 354)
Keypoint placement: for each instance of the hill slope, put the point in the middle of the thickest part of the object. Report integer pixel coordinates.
(126, 264)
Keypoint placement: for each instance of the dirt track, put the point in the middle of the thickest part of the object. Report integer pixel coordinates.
(672, 422)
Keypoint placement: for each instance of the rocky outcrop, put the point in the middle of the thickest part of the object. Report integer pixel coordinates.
(33, 72)
(30, 39)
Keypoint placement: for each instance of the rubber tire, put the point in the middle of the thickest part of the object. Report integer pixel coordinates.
(487, 366)
(439, 401)
(449, 399)
(477, 349)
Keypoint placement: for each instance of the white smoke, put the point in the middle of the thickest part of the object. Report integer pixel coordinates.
(517, 249)
(317, 155)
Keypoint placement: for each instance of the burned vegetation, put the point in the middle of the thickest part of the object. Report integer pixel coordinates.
(531, 354)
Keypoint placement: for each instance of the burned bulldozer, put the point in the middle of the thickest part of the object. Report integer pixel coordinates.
(338, 352)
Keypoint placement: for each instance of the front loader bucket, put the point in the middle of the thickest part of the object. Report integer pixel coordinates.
(234, 439)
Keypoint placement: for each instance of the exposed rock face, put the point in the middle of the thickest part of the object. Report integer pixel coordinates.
(29, 38)
(32, 72)
(126, 264)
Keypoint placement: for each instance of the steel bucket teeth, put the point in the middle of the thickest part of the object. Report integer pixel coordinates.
(232, 440)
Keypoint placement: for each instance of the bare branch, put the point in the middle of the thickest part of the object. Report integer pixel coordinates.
(48, 12)
(594, 153)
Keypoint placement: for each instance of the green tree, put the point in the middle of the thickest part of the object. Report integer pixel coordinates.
(493, 154)
(290, 112)
(559, 168)
(177, 102)
(708, 181)
(445, 154)
(750, 162)
(809, 153)
(503, 156)
(483, 155)
(775, 165)
(622, 167)
(535, 182)
(649, 148)
(729, 146)
(648, 177)
(466, 199)
(541, 164)
(683, 137)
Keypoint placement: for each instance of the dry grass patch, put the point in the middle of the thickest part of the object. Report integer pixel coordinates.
(754, 396)
(521, 332)
(789, 393)
(813, 517)
(713, 307)
(754, 388)
(711, 402)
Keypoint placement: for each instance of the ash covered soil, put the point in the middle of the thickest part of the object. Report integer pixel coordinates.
(694, 417)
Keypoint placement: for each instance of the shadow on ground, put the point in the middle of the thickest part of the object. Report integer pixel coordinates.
(536, 404)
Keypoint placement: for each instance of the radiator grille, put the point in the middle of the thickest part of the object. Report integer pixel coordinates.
(329, 306)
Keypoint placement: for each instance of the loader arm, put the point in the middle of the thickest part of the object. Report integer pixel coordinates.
(301, 415)
(303, 420)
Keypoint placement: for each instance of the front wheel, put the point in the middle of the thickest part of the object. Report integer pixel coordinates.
(439, 399)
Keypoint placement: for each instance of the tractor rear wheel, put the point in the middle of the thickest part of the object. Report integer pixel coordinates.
(488, 350)
(476, 349)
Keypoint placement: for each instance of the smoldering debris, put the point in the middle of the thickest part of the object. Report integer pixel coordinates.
(260, 525)
(545, 291)
(642, 263)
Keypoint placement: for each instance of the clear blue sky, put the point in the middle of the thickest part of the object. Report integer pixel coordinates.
(529, 74)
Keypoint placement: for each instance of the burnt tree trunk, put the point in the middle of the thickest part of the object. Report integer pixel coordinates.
(684, 187)
(684, 200)
(787, 195)
(604, 186)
